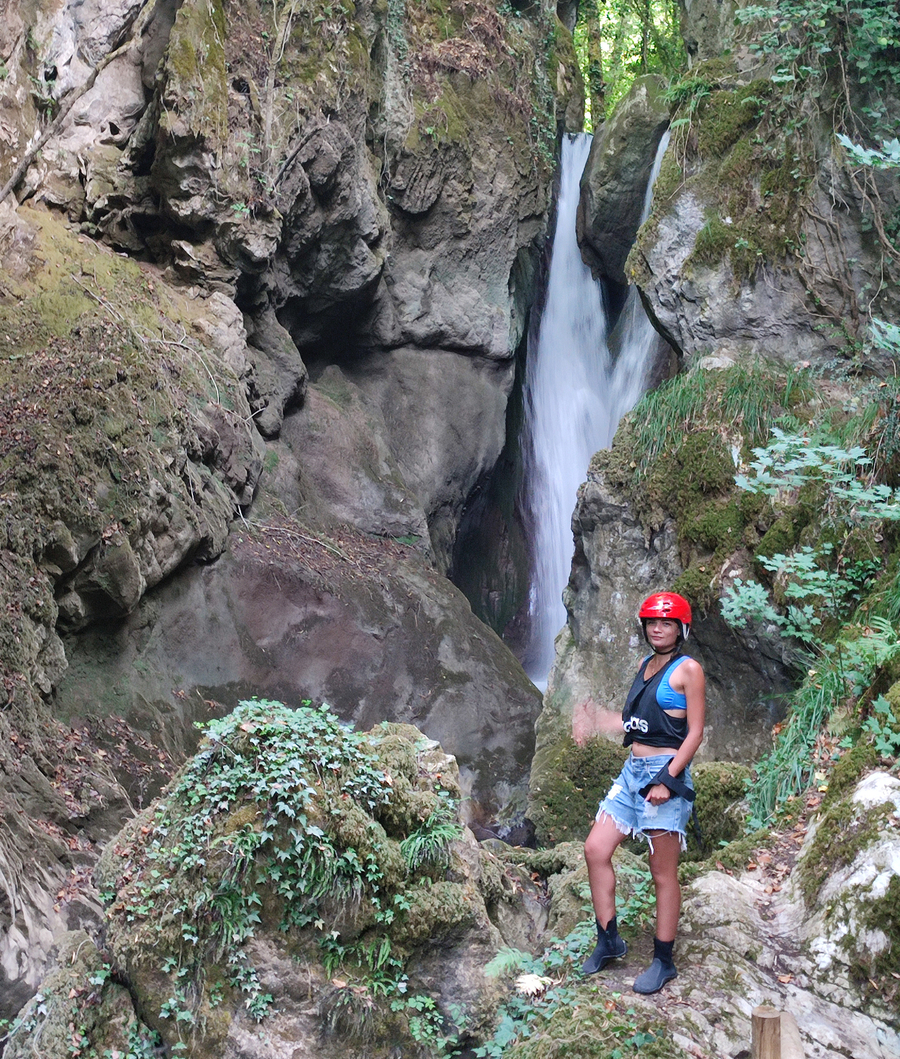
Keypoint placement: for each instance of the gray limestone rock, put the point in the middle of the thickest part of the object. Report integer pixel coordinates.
(615, 178)
(362, 624)
(794, 307)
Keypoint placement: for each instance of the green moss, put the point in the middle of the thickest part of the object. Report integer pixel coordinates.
(715, 525)
(751, 165)
(436, 910)
(669, 180)
(698, 584)
(782, 535)
(593, 1031)
(726, 116)
(715, 241)
(880, 969)
(561, 859)
(720, 805)
(843, 829)
(573, 782)
(197, 70)
(852, 765)
(675, 455)
(733, 857)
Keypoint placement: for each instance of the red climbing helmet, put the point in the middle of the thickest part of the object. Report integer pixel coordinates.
(667, 605)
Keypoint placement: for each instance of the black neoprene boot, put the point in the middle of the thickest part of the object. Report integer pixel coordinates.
(659, 972)
(609, 947)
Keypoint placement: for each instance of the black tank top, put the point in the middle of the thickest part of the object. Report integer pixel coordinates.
(644, 720)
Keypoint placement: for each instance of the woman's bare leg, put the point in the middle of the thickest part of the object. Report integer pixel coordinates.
(664, 869)
(601, 843)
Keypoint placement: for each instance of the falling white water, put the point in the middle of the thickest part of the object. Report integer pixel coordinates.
(574, 398)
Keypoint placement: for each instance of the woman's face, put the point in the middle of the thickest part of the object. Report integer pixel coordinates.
(662, 633)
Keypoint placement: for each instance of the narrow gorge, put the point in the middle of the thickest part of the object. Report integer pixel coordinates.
(353, 398)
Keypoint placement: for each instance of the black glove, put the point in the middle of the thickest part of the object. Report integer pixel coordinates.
(676, 786)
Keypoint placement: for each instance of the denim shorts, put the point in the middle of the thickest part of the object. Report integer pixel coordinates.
(634, 815)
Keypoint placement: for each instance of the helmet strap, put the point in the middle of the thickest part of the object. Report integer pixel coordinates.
(672, 651)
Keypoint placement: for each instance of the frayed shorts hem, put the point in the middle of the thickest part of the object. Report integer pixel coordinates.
(632, 814)
(643, 836)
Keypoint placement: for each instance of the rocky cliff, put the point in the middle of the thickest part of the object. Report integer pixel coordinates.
(264, 263)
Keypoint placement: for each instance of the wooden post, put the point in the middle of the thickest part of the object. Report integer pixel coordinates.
(766, 1023)
(791, 1044)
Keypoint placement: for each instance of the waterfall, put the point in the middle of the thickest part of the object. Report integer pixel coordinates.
(575, 395)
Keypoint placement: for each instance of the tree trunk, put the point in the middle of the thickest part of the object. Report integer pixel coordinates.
(595, 83)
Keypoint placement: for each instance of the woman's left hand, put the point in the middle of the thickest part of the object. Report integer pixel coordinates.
(658, 794)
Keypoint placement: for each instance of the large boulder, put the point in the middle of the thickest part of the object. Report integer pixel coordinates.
(758, 244)
(396, 442)
(849, 878)
(364, 624)
(616, 177)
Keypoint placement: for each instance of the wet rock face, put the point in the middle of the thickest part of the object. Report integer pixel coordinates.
(615, 179)
(394, 442)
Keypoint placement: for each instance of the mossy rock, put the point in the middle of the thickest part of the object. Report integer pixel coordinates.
(714, 526)
(698, 584)
(79, 1001)
(843, 829)
(574, 781)
(848, 878)
(733, 856)
(720, 805)
(849, 770)
(594, 1031)
(782, 535)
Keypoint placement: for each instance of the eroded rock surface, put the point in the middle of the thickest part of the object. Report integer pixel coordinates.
(616, 176)
(349, 194)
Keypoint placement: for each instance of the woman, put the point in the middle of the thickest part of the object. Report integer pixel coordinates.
(663, 721)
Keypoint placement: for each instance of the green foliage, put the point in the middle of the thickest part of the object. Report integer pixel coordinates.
(691, 90)
(809, 39)
(820, 587)
(277, 816)
(845, 672)
(791, 461)
(810, 589)
(637, 909)
(636, 37)
(430, 844)
(746, 396)
(887, 158)
(426, 1025)
(816, 580)
(882, 725)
